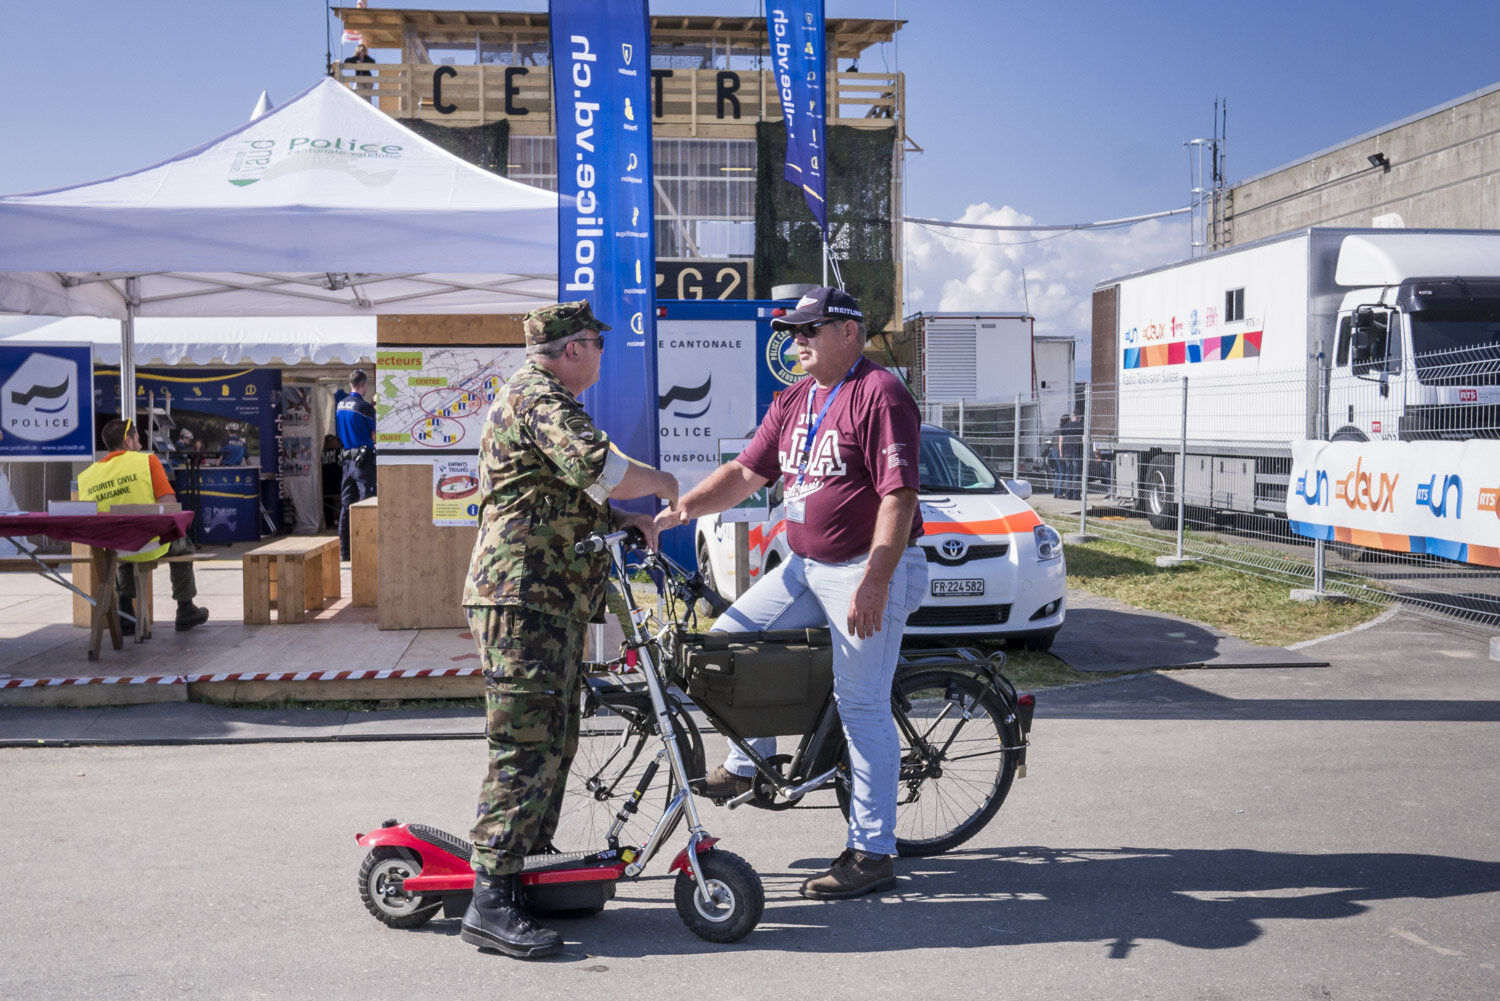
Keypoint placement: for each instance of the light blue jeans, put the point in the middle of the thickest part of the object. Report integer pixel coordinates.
(805, 594)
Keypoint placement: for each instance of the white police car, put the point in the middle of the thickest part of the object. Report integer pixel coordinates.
(996, 570)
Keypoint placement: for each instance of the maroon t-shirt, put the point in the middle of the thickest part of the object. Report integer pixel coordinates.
(866, 447)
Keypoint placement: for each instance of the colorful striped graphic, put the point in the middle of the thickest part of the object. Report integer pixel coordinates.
(1225, 347)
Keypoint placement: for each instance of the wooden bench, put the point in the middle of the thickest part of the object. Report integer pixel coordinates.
(50, 560)
(293, 575)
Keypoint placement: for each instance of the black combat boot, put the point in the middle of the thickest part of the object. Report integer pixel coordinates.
(190, 615)
(496, 919)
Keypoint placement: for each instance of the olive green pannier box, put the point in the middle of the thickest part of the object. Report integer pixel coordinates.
(765, 684)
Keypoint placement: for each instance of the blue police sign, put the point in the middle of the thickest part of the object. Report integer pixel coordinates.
(46, 402)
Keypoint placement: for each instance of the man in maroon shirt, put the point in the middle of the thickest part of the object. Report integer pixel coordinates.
(844, 442)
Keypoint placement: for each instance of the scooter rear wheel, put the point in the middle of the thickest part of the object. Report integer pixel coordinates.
(737, 898)
(382, 869)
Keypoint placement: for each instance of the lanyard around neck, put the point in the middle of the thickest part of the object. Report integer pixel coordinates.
(816, 422)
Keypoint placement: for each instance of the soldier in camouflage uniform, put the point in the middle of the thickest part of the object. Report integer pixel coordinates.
(546, 472)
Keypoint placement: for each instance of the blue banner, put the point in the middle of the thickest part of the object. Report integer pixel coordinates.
(46, 402)
(601, 85)
(796, 35)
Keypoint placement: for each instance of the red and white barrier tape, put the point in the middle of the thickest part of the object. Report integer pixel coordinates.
(179, 679)
(155, 679)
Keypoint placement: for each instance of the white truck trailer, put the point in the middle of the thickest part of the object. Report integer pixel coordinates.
(1341, 334)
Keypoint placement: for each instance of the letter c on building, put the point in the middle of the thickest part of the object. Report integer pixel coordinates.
(437, 90)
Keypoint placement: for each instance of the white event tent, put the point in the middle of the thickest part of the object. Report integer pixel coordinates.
(214, 340)
(323, 207)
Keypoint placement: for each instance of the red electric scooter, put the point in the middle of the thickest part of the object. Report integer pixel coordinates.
(414, 871)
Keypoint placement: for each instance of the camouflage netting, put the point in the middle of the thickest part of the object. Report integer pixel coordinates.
(788, 248)
(484, 145)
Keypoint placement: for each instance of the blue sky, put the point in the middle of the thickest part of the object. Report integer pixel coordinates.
(1046, 113)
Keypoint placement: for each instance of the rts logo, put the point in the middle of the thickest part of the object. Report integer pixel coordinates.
(1489, 500)
(1468, 396)
(39, 402)
(1320, 490)
(1437, 502)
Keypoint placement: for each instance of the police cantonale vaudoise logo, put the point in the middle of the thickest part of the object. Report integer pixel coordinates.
(40, 401)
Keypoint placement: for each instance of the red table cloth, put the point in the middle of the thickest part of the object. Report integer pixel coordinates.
(125, 532)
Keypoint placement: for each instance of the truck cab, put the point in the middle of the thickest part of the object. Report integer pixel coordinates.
(1418, 360)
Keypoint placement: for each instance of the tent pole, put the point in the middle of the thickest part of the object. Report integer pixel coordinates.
(127, 351)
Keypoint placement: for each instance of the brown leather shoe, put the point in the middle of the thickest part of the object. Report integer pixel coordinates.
(853, 874)
(721, 783)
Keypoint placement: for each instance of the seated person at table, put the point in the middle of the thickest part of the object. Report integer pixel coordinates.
(129, 476)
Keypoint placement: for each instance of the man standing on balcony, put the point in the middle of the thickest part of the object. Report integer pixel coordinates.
(361, 55)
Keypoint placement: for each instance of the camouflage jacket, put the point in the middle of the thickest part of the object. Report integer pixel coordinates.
(540, 459)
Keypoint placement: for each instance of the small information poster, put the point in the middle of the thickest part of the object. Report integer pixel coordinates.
(434, 400)
(455, 492)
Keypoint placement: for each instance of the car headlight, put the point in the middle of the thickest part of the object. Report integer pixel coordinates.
(1048, 542)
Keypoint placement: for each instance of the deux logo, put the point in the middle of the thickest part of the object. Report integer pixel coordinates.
(1360, 489)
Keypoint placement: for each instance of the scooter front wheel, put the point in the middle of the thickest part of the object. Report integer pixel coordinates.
(736, 898)
(380, 877)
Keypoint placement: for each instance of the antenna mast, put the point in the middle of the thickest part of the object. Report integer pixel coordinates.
(1207, 187)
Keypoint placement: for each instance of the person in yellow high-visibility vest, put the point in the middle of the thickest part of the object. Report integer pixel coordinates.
(129, 476)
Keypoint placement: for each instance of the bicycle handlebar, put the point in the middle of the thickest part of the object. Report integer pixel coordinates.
(691, 581)
(597, 543)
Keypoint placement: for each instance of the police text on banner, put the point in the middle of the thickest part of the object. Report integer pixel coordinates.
(795, 28)
(601, 81)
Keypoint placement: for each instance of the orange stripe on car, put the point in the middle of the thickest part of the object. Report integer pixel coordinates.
(1015, 524)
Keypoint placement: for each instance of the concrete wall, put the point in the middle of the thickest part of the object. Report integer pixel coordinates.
(1444, 173)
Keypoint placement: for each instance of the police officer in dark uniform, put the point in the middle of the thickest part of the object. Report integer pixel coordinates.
(356, 427)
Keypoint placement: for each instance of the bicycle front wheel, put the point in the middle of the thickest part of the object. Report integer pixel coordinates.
(618, 740)
(960, 744)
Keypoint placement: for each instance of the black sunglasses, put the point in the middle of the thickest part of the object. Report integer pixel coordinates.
(810, 329)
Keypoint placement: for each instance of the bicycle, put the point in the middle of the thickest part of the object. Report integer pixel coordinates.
(964, 728)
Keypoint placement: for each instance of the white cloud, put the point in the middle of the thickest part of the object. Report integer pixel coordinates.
(955, 270)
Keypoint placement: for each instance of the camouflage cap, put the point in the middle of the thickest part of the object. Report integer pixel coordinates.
(552, 323)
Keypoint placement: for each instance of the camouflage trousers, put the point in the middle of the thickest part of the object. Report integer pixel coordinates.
(531, 692)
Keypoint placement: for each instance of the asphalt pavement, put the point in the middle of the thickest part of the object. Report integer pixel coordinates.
(1284, 832)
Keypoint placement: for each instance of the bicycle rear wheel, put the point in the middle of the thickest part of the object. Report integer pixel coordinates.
(960, 744)
(618, 740)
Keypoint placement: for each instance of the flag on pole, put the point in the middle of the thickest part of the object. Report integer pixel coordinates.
(795, 28)
(601, 82)
(354, 37)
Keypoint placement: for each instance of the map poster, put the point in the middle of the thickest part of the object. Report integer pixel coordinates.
(434, 400)
(455, 492)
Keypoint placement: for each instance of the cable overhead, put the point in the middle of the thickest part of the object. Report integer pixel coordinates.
(1037, 228)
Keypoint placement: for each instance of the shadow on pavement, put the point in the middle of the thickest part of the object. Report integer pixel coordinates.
(1199, 899)
(1101, 634)
(1163, 697)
